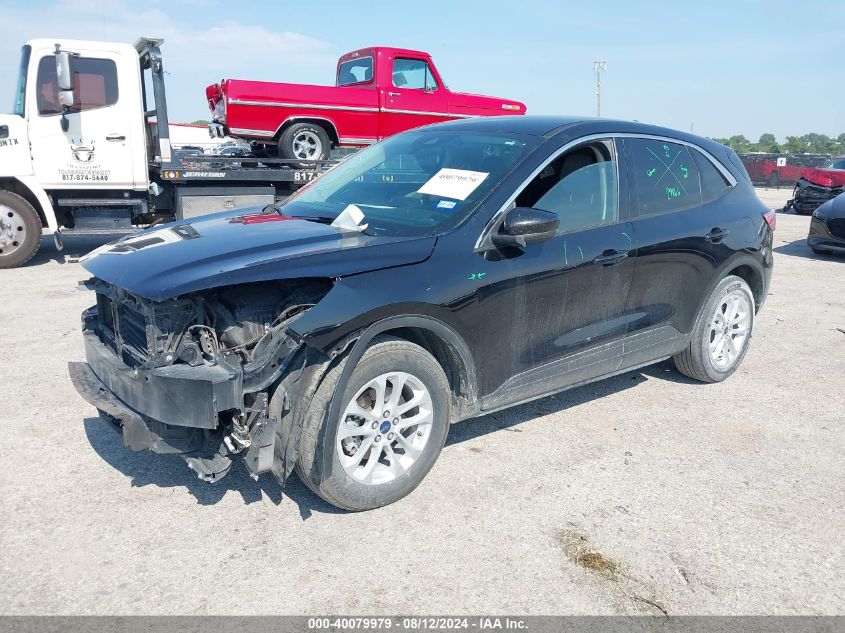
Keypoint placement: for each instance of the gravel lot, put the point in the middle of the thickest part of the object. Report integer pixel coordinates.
(646, 489)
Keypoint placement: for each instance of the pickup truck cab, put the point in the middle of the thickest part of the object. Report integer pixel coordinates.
(378, 92)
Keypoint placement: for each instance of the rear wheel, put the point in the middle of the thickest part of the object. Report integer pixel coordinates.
(392, 425)
(304, 141)
(20, 230)
(721, 334)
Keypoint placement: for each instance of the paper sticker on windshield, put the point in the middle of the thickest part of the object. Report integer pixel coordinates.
(457, 184)
(446, 204)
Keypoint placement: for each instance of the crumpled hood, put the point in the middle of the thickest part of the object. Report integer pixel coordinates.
(825, 177)
(235, 248)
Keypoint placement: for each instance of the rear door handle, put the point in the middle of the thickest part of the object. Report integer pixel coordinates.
(610, 257)
(716, 235)
(115, 137)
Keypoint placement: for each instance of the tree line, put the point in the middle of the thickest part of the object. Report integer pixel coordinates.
(812, 143)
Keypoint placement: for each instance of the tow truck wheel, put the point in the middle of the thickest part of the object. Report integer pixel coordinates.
(304, 141)
(392, 424)
(20, 230)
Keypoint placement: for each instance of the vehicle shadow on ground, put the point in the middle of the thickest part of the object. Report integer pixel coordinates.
(74, 248)
(799, 248)
(171, 471)
(506, 419)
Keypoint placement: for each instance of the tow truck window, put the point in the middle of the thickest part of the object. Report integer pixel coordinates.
(355, 71)
(414, 74)
(20, 91)
(95, 82)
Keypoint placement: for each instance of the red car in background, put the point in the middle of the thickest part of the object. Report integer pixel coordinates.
(378, 92)
(778, 169)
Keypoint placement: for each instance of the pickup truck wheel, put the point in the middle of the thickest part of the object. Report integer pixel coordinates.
(393, 422)
(304, 141)
(20, 230)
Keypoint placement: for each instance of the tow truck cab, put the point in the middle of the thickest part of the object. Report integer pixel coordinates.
(87, 149)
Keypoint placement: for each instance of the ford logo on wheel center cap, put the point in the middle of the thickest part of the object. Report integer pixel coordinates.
(384, 427)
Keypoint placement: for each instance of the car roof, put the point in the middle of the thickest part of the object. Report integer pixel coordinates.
(551, 125)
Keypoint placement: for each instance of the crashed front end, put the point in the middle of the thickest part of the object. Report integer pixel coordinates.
(190, 375)
(809, 196)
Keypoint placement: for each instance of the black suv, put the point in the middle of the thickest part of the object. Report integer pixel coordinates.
(441, 274)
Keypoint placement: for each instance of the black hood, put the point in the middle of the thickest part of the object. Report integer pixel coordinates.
(233, 248)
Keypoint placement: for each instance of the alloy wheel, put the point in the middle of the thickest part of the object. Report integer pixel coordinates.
(307, 145)
(384, 428)
(730, 328)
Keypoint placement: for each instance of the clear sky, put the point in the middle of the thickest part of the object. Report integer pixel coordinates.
(736, 67)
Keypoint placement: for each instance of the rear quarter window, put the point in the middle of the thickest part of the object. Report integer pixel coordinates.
(713, 183)
(664, 176)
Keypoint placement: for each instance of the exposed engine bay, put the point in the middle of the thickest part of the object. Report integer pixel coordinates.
(235, 325)
(195, 370)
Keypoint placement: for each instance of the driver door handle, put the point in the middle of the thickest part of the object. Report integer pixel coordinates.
(610, 257)
(116, 137)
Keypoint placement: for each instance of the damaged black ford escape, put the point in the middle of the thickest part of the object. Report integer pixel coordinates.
(441, 274)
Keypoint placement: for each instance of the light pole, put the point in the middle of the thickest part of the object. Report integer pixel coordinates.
(599, 66)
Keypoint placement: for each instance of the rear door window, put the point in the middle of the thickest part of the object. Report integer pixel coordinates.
(664, 176)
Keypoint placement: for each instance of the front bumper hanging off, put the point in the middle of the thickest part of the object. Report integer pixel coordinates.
(174, 409)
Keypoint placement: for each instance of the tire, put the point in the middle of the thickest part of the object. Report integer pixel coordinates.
(696, 360)
(20, 230)
(389, 480)
(304, 141)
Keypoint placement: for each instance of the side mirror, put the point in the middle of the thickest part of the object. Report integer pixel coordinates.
(524, 225)
(65, 80)
(64, 71)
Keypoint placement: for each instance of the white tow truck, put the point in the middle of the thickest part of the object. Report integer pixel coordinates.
(86, 150)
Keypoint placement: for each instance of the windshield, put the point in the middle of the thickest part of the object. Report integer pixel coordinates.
(414, 184)
(836, 163)
(20, 90)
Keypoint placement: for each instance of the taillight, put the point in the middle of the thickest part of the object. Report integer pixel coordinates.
(771, 218)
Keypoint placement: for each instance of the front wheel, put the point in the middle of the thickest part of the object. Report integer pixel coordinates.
(304, 141)
(20, 230)
(393, 422)
(721, 334)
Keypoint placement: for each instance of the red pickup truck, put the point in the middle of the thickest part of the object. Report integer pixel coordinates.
(378, 92)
